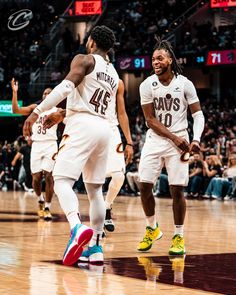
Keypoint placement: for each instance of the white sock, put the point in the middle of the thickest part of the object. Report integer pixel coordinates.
(117, 180)
(151, 221)
(47, 205)
(73, 219)
(179, 230)
(96, 238)
(40, 198)
(67, 199)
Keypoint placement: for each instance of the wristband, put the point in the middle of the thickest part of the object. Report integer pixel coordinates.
(130, 144)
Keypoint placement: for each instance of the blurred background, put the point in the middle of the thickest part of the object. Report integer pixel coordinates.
(38, 55)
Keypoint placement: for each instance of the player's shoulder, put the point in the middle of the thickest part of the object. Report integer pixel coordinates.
(149, 81)
(183, 78)
(82, 59)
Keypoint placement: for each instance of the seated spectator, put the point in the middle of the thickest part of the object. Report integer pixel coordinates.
(195, 176)
(230, 175)
(211, 171)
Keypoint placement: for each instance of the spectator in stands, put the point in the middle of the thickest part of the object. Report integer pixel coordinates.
(211, 169)
(195, 176)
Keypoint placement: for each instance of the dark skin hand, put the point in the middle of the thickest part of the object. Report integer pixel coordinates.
(81, 65)
(54, 118)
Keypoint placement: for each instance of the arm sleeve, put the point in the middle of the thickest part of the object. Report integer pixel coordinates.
(190, 92)
(145, 93)
(59, 93)
(198, 125)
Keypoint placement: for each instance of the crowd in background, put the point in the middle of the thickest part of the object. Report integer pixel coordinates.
(212, 171)
(213, 168)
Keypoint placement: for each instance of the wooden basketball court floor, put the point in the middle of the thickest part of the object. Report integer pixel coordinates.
(31, 251)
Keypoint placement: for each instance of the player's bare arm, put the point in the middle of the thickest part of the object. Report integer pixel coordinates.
(198, 126)
(160, 129)
(54, 118)
(81, 65)
(124, 122)
(25, 111)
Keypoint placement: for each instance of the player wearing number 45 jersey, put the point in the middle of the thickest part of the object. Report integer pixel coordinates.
(89, 87)
(44, 146)
(165, 98)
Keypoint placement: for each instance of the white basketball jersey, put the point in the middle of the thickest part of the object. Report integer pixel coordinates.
(41, 134)
(170, 102)
(112, 113)
(96, 91)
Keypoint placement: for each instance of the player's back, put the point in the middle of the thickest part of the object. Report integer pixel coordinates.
(96, 91)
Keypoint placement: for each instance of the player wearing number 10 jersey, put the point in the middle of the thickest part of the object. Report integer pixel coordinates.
(89, 87)
(165, 98)
(44, 146)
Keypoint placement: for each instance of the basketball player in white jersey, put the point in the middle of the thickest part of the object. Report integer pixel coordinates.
(165, 98)
(44, 146)
(116, 158)
(89, 87)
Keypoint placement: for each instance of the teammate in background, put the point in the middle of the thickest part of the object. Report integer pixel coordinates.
(44, 146)
(90, 86)
(165, 98)
(116, 160)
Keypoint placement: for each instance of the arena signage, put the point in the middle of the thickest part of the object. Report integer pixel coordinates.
(6, 108)
(222, 3)
(221, 57)
(134, 63)
(88, 7)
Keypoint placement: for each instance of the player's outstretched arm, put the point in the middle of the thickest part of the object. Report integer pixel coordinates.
(160, 129)
(81, 65)
(25, 111)
(124, 122)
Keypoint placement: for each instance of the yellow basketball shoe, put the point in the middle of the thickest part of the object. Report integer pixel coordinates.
(177, 247)
(150, 236)
(41, 209)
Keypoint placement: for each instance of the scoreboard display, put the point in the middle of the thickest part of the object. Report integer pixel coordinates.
(88, 7)
(221, 57)
(134, 63)
(222, 3)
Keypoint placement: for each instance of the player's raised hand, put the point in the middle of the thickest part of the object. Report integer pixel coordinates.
(14, 85)
(27, 128)
(52, 119)
(129, 152)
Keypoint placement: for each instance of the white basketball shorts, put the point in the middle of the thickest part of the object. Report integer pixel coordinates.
(159, 151)
(41, 156)
(83, 149)
(116, 160)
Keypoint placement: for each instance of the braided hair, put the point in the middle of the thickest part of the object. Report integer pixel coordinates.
(164, 44)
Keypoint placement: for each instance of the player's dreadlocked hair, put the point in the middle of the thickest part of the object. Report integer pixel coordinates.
(104, 37)
(164, 44)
